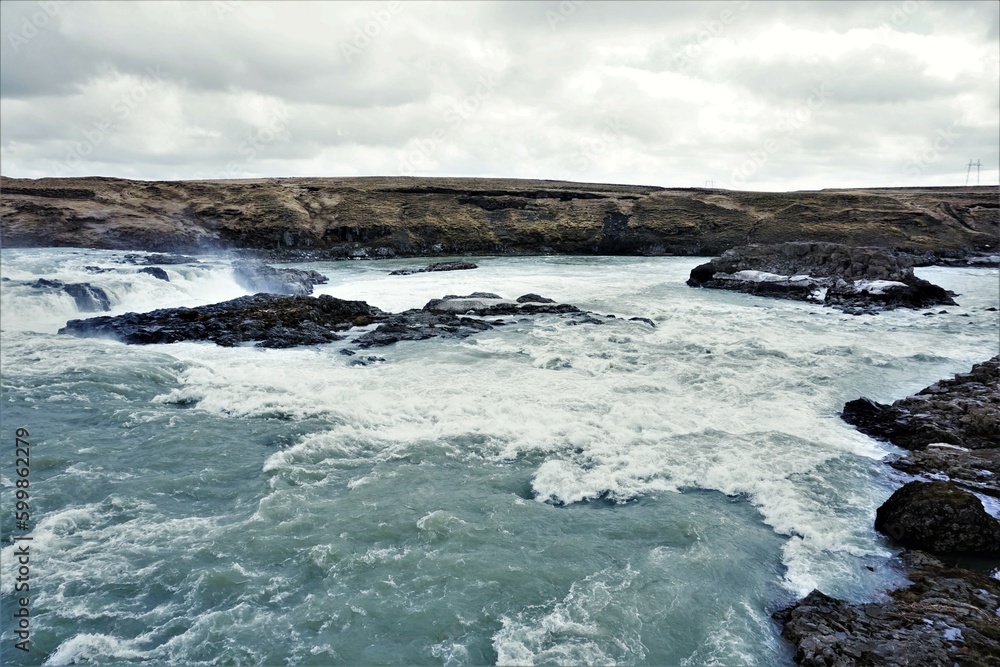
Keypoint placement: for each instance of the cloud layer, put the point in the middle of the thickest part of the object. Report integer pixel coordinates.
(746, 95)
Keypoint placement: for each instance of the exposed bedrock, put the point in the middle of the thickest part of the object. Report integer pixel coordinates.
(437, 266)
(855, 279)
(947, 616)
(951, 427)
(277, 321)
(267, 320)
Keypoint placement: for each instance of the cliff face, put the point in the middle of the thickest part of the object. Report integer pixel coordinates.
(384, 217)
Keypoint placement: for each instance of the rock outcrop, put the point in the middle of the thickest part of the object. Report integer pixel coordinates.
(948, 616)
(331, 218)
(268, 320)
(264, 319)
(951, 427)
(437, 266)
(854, 279)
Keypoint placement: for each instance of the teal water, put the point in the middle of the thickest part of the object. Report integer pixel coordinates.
(538, 494)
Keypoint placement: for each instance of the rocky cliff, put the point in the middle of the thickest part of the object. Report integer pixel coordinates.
(384, 217)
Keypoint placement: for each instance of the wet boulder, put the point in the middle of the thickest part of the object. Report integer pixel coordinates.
(940, 518)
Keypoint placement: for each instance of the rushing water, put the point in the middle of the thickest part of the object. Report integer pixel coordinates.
(538, 494)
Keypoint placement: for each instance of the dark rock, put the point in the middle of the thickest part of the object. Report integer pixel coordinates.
(438, 266)
(947, 616)
(963, 411)
(269, 320)
(158, 258)
(856, 280)
(643, 319)
(533, 298)
(255, 276)
(286, 321)
(486, 304)
(938, 517)
(366, 361)
(456, 317)
(951, 428)
(156, 272)
(973, 470)
(89, 299)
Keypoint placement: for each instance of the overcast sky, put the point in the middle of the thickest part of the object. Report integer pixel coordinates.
(744, 95)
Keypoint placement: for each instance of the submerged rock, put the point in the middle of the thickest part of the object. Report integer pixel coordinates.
(940, 518)
(89, 299)
(437, 266)
(156, 272)
(256, 276)
(856, 280)
(265, 319)
(947, 616)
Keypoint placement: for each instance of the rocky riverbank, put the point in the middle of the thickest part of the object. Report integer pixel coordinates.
(857, 280)
(948, 615)
(336, 218)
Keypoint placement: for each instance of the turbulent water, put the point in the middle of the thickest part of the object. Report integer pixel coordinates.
(538, 494)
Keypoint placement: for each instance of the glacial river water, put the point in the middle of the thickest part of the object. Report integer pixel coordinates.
(537, 494)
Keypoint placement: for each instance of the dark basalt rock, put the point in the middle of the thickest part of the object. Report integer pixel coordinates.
(438, 266)
(948, 616)
(268, 320)
(156, 272)
(158, 258)
(973, 470)
(456, 316)
(963, 411)
(856, 280)
(256, 276)
(421, 325)
(938, 517)
(286, 321)
(533, 298)
(89, 299)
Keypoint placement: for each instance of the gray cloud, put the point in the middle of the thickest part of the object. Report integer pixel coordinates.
(818, 94)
